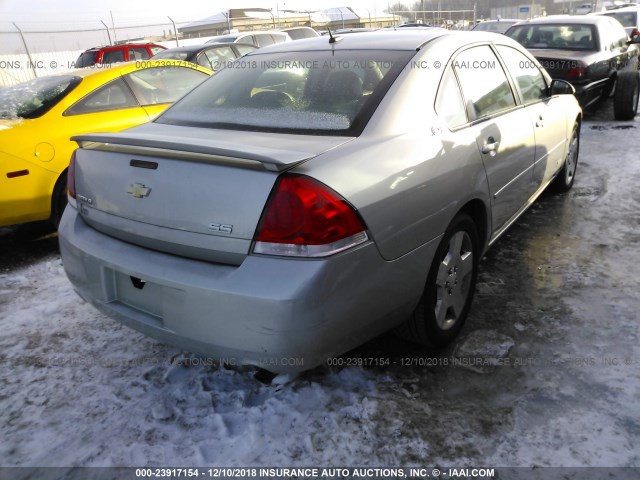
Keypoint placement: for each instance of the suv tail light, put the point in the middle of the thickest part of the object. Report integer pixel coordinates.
(71, 176)
(304, 218)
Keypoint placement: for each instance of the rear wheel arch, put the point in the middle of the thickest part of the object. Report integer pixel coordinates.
(477, 211)
(576, 123)
(449, 287)
(58, 199)
(565, 177)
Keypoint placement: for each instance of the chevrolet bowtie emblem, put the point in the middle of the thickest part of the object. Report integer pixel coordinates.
(138, 190)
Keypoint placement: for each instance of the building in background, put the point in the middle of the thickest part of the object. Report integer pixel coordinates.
(250, 19)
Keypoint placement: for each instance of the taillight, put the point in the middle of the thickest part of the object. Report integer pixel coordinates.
(71, 176)
(577, 72)
(305, 218)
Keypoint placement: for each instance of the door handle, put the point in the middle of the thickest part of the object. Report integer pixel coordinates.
(540, 122)
(490, 147)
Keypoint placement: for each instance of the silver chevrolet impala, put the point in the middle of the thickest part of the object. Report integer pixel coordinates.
(317, 193)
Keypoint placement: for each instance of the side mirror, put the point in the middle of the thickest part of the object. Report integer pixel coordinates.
(561, 87)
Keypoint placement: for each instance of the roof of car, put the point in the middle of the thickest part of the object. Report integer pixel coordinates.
(403, 39)
(200, 46)
(122, 45)
(296, 28)
(498, 20)
(565, 19)
(246, 34)
(631, 8)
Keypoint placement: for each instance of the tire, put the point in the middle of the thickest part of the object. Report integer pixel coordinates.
(625, 100)
(450, 286)
(58, 200)
(565, 178)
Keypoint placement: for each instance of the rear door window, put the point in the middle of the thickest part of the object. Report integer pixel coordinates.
(279, 37)
(163, 84)
(203, 61)
(484, 84)
(113, 56)
(249, 40)
(243, 49)
(138, 53)
(449, 102)
(218, 57)
(526, 73)
(264, 40)
(113, 96)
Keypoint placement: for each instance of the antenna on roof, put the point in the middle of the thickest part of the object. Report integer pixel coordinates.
(332, 39)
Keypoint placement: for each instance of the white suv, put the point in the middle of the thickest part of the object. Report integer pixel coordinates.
(629, 17)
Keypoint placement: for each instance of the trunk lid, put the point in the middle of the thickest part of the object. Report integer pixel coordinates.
(188, 191)
(559, 62)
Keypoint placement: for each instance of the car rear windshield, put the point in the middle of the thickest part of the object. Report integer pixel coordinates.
(35, 98)
(86, 59)
(556, 37)
(294, 92)
(498, 27)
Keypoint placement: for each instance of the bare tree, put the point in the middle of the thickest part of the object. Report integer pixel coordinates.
(397, 7)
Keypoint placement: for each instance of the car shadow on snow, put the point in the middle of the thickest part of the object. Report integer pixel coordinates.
(25, 245)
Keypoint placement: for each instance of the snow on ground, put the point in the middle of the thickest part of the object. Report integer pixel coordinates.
(531, 382)
(79, 389)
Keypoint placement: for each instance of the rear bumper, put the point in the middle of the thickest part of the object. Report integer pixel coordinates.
(280, 314)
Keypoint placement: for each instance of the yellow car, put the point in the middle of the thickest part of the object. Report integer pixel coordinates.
(38, 118)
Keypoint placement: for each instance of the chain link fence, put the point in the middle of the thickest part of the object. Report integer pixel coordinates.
(449, 19)
(27, 52)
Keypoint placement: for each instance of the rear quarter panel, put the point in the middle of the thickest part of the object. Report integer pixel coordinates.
(407, 174)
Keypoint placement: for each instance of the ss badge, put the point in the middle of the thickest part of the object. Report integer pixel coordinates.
(220, 228)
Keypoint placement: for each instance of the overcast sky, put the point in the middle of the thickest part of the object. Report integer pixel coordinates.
(51, 16)
(72, 12)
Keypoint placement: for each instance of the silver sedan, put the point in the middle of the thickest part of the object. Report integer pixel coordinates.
(317, 193)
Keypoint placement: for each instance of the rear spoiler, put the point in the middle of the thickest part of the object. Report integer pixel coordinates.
(196, 150)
